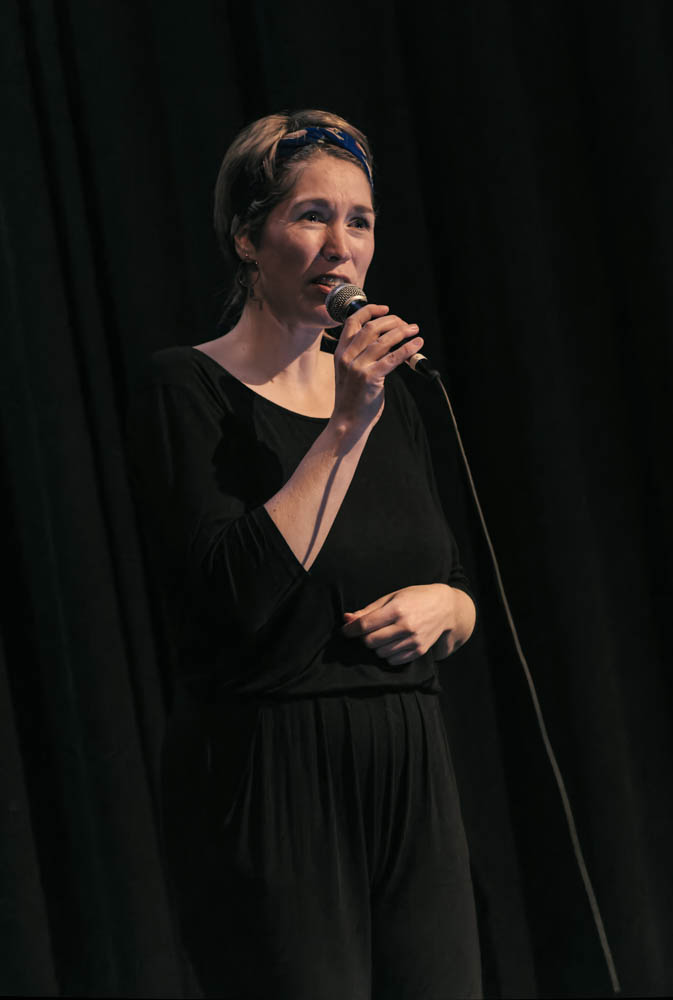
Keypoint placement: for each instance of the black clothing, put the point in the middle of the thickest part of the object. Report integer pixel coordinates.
(206, 453)
(332, 865)
(311, 818)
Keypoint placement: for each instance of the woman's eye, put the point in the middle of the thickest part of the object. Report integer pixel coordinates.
(312, 216)
(361, 223)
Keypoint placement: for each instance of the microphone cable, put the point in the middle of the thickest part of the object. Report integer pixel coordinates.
(567, 808)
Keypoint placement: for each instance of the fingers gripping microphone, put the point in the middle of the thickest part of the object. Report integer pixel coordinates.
(344, 300)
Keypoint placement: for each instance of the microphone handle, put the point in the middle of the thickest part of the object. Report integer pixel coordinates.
(419, 363)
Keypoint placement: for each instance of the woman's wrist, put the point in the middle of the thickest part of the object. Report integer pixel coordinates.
(349, 431)
(462, 614)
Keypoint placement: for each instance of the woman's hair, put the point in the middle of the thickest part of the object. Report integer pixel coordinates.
(253, 180)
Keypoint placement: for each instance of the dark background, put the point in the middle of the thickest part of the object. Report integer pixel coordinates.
(525, 165)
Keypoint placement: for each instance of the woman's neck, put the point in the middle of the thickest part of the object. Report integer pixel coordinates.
(269, 351)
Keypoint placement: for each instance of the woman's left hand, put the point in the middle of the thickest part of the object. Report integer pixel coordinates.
(405, 624)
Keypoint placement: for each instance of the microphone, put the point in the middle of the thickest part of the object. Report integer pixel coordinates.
(344, 300)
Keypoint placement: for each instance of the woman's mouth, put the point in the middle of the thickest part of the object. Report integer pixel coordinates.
(327, 282)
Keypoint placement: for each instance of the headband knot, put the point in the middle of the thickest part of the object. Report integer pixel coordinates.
(318, 135)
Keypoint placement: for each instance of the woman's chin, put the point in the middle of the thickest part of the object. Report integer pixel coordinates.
(316, 316)
(308, 313)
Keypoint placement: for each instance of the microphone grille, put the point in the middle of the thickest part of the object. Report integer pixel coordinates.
(341, 298)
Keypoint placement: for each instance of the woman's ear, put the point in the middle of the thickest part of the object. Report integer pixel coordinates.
(243, 244)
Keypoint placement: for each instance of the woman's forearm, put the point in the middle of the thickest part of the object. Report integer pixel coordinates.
(304, 509)
(367, 352)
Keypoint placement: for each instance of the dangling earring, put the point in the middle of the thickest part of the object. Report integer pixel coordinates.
(246, 279)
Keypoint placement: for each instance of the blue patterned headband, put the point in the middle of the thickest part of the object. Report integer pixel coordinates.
(316, 134)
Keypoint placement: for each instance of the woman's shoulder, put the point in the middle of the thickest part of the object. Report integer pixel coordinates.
(175, 365)
(182, 367)
(180, 377)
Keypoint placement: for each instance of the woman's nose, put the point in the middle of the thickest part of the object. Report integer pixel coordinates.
(336, 244)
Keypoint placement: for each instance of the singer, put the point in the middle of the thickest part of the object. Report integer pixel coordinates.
(310, 816)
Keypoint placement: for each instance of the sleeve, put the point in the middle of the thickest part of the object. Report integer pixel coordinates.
(205, 537)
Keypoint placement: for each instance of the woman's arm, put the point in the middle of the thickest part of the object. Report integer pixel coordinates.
(208, 543)
(304, 509)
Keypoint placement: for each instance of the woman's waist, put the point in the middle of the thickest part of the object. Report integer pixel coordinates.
(217, 683)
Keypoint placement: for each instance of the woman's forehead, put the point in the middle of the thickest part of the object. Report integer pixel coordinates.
(324, 176)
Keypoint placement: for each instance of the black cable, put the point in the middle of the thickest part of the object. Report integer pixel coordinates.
(567, 808)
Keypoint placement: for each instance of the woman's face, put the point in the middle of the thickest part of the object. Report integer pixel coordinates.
(320, 235)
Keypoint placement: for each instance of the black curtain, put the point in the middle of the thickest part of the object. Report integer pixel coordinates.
(525, 164)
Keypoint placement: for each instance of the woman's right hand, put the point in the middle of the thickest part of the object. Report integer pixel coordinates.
(365, 354)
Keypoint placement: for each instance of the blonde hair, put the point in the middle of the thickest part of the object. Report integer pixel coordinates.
(252, 180)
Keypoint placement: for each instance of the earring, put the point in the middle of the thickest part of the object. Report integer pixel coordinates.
(246, 279)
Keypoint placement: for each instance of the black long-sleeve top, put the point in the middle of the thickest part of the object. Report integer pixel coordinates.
(205, 453)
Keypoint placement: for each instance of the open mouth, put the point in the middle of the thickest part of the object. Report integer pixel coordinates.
(328, 281)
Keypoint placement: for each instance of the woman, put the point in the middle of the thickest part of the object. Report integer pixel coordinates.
(311, 818)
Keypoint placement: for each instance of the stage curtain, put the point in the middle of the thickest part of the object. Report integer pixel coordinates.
(524, 163)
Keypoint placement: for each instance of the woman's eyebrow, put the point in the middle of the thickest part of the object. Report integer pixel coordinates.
(325, 203)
